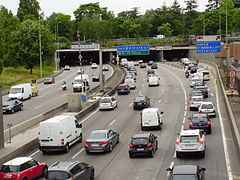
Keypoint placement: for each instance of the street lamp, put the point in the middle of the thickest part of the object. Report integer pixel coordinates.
(40, 46)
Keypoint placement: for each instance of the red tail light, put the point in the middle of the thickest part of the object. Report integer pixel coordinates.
(130, 145)
(191, 102)
(145, 103)
(178, 142)
(62, 141)
(200, 141)
(190, 124)
(208, 123)
(111, 103)
(149, 145)
(102, 143)
(214, 110)
(87, 144)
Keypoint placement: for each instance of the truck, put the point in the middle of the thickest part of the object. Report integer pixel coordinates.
(81, 83)
(59, 133)
(21, 91)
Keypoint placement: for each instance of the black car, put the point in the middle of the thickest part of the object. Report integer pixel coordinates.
(193, 69)
(95, 76)
(154, 66)
(70, 170)
(143, 144)
(189, 172)
(203, 89)
(141, 102)
(200, 121)
(123, 89)
(150, 71)
(11, 106)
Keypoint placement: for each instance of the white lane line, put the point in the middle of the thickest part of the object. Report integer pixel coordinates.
(184, 119)
(212, 94)
(185, 113)
(185, 108)
(63, 95)
(78, 153)
(38, 107)
(130, 104)
(31, 155)
(143, 85)
(90, 115)
(159, 101)
(225, 147)
(140, 93)
(111, 123)
(182, 127)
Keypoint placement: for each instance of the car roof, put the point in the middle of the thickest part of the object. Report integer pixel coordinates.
(185, 169)
(17, 161)
(207, 103)
(107, 97)
(100, 131)
(143, 135)
(62, 165)
(199, 114)
(189, 132)
(150, 109)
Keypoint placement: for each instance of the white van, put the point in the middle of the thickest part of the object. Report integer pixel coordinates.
(78, 83)
(21, 91)
(59, 133)
(124, 62)
(205, 74)
(151, 118)
(130, 82)
(153, 81)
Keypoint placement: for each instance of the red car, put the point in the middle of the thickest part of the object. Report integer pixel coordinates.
(22, 168)
(143, 65)
(49, 80)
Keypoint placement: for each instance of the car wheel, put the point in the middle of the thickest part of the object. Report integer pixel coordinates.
(156, 146)
(80, 138)
(203, 154)
(131, 155)
(92, 175)
(117, 140)
(87, 151)
(12, 111)
(44, 152)
(191, 109)
(159, 127)
(209, 130)
(66, 148)
(20, 109)
(110, 148)
(44, 171)
(25, 178)
(142, 128)
(178, 155)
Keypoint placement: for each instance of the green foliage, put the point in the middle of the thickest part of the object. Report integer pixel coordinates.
(1, 66)
(28, 7)
(165, 29)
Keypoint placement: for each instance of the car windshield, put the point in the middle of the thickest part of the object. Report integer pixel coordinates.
(15, 90)
(137, 141)
(207, 106)
(140, 99)
(104, 100)
(6, 168)
(122, 87)
(184, 177)
(189, 139)
(78, 81)
(197, 94)
(97, 135)
(57, 175)
(196, 80)
(199, 119)
(48, 78)
(8, 103)
(197, 99)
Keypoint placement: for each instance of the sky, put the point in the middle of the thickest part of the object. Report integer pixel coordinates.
(69, 6)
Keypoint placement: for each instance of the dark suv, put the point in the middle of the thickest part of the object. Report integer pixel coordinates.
(200, 121)
(143, 144)
(123, 89)
(67, 170)
(189, 172)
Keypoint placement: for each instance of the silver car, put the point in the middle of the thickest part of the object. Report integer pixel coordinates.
(101, 141)
(195, 102)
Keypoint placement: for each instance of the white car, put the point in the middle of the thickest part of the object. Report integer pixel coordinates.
(195, 80)
(208, 108)
(80, 71)
(105, 68)
(195, 102)
(190, 141)
(94, 66)
(107, 103)
(66, 67)
(153, 81)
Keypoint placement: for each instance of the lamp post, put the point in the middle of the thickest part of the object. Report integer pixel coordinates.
(40, 46)
(227, 48)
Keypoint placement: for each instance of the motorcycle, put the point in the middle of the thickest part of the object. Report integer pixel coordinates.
(64, 87)
(186, 74)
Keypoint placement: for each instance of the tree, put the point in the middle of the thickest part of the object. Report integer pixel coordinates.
(165, 29)
(190, 14)
(25, 44)
(133, 14)
(28, 7)
(236, 3)
(213, 4)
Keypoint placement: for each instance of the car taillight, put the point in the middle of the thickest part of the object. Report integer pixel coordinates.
(200, 141)
(62, 141)
(208, 123)
(149, 145)
(145, 103)
(102, 143)
(130, 145)
(111, 103)
(214, 110)
(190, 124)
(87, 144)
(191, 102)
(178, 142)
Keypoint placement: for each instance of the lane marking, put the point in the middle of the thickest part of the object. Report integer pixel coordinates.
(31, 155)
(90, 115)
(113, 122)
(159, 101)
(38, 107)
(130, 104)
(185, 113)
(78, 153)
(185, 108)
(225, 147)
(212, 94)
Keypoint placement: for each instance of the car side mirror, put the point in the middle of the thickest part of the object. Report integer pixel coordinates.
(203, 169)
(169, 169)
(140, 113)
(161, 113)
(79, 125)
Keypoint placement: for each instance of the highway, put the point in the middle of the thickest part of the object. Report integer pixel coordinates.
(172, 98)
(50, 96)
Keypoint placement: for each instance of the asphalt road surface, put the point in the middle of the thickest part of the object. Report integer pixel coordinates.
(172, 97)
(50, 96)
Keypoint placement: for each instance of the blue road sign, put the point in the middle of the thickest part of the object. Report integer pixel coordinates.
(133, 48)
(208, 47)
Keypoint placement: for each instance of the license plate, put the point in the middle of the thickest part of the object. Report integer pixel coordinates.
(139, 103)
(140, 149)
(94, 144)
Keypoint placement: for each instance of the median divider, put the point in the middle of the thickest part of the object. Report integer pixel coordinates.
(25, 147)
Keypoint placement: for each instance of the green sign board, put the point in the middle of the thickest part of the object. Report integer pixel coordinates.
(129, 53)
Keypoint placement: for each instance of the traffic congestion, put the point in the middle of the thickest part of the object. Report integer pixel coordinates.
(141, 121)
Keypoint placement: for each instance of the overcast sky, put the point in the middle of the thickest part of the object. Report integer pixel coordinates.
(69, 6)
